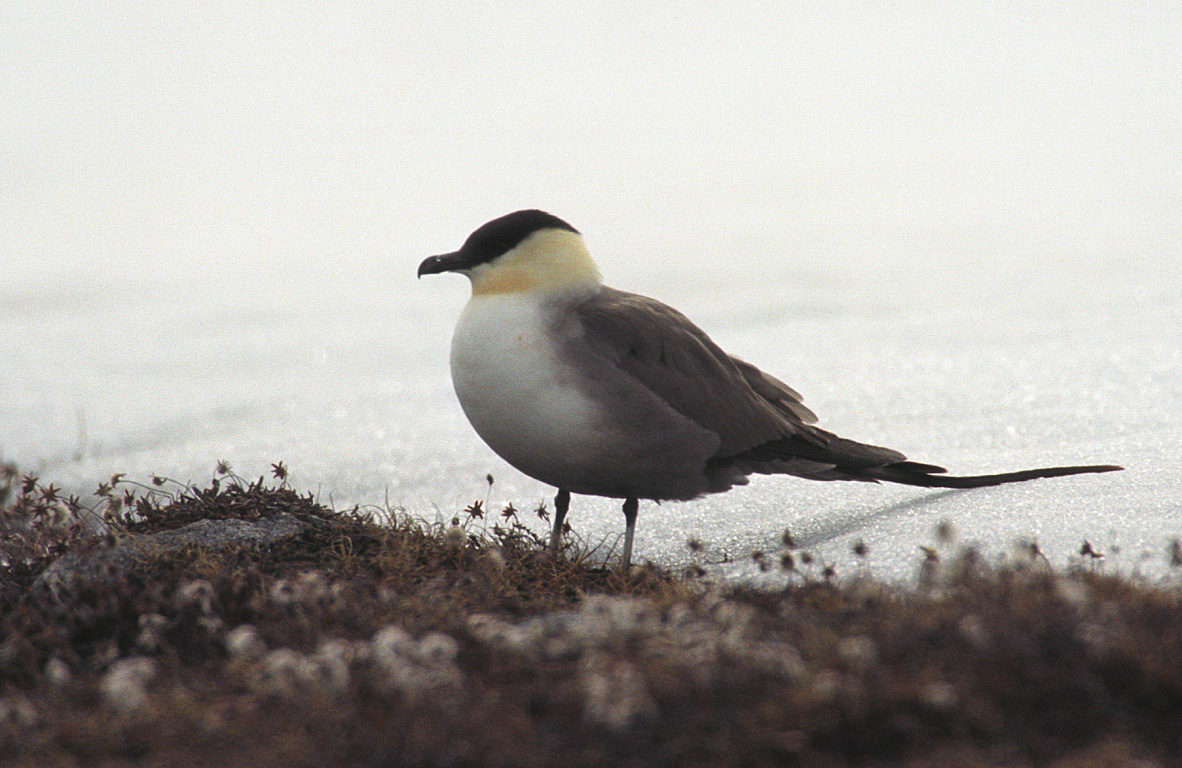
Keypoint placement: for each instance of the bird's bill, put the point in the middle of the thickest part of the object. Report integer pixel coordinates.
(447, 262)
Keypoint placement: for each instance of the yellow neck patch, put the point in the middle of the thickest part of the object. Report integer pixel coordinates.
(546, 260)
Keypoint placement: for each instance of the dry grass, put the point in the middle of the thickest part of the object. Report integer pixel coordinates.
(406, 643)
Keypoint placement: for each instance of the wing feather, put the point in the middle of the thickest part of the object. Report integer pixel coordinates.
(760, 421)
(663, 350)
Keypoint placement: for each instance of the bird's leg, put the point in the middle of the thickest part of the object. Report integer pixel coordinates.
(561, 505)
(630, 507)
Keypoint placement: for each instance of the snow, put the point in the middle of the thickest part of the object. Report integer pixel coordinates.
(957, 234)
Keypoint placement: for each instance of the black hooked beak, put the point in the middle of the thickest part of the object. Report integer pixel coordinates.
(447, 262)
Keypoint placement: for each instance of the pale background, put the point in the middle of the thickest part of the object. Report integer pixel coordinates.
(955, 227)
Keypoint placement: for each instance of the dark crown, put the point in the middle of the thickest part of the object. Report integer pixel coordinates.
(502, 235)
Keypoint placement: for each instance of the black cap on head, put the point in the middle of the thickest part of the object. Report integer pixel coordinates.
(493, 239)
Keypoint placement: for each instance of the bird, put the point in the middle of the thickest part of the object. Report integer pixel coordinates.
(601, 392)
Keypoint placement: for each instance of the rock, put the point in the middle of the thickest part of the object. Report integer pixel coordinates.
(135, 549)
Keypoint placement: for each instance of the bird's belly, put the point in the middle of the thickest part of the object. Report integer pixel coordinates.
(519, 395)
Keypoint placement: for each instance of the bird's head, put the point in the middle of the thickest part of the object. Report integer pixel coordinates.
(524, 251)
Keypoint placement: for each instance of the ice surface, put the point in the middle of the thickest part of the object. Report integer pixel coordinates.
(345, 380)
(957, 233)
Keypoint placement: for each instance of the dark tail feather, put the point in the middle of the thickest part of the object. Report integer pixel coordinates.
(911, 473)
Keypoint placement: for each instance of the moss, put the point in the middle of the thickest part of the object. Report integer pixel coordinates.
(366, 641)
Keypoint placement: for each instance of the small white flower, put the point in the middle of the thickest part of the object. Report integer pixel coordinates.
(615, 694)
(329, 670)
(391, 645)
(244, 642)
(437, 649)
(124, 685)
(57, 672)
(199, 593)
(311, 587)
(283, 592)
(283, 673)
(151, 636)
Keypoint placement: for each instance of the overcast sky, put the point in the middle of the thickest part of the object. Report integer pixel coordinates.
(184, 138)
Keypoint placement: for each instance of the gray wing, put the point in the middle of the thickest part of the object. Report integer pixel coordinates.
(760, 422)
(660, 348)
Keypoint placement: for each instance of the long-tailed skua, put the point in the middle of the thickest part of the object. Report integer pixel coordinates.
(601, 392)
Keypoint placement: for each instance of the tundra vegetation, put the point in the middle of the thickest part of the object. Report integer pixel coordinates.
(244, 624)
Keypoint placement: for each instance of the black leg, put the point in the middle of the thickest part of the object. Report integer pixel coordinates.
(561, 505)
(630, 507)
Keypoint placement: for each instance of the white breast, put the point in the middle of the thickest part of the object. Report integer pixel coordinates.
(519, 395)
